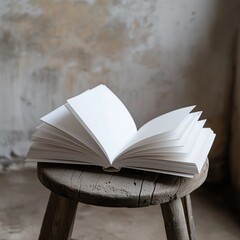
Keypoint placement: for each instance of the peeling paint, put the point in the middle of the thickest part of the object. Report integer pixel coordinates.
(155, 55)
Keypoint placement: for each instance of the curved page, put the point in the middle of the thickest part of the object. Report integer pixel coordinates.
(64, 120)
(105, 117)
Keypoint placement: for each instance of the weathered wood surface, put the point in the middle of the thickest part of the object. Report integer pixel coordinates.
(174, 220)
(59, 218)
(187, 206)
(127, 188)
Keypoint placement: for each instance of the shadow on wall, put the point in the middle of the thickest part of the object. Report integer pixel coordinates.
(208, 76)
(212, 69)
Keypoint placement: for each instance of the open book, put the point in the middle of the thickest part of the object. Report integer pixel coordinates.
(95, 128)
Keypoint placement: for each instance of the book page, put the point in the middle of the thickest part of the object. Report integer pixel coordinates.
(197, 154)
(58, 154)
(165, 138)
(202, 155)
(181, 145)
(164, 124)
(63, 120)
(105, 117)
(47, 134)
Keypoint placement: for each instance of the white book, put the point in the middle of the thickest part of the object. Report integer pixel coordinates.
(95, 128)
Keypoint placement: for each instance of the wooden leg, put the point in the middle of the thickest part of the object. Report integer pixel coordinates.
(174, 220)
(59, 218)
(187, 205)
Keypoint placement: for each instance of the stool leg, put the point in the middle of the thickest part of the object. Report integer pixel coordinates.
(187, 205)
(59, 218)
(174, 220)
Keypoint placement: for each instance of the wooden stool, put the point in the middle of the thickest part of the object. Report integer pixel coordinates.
(71, 184)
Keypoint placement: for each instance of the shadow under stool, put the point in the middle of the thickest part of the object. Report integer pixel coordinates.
(70, 184)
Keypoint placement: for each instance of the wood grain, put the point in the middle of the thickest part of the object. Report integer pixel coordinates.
(174, 220)
(127, 188)
(59, 218)
(187, 206)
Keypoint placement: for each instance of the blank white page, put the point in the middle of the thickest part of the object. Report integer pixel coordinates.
(63, 120)
(163, 124)
(105, 117)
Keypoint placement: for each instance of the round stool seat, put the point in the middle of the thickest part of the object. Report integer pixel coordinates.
(127, 188)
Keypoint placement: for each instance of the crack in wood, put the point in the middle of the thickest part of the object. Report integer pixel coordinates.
(139, 197)
(154, 187)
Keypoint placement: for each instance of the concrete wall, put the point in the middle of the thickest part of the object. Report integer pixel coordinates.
(155, 55)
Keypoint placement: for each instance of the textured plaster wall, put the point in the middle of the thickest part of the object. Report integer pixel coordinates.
(156, 55)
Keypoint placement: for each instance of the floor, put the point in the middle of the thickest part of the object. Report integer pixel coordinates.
(23, 201)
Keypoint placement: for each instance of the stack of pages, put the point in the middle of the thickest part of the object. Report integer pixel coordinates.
(95, 128)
